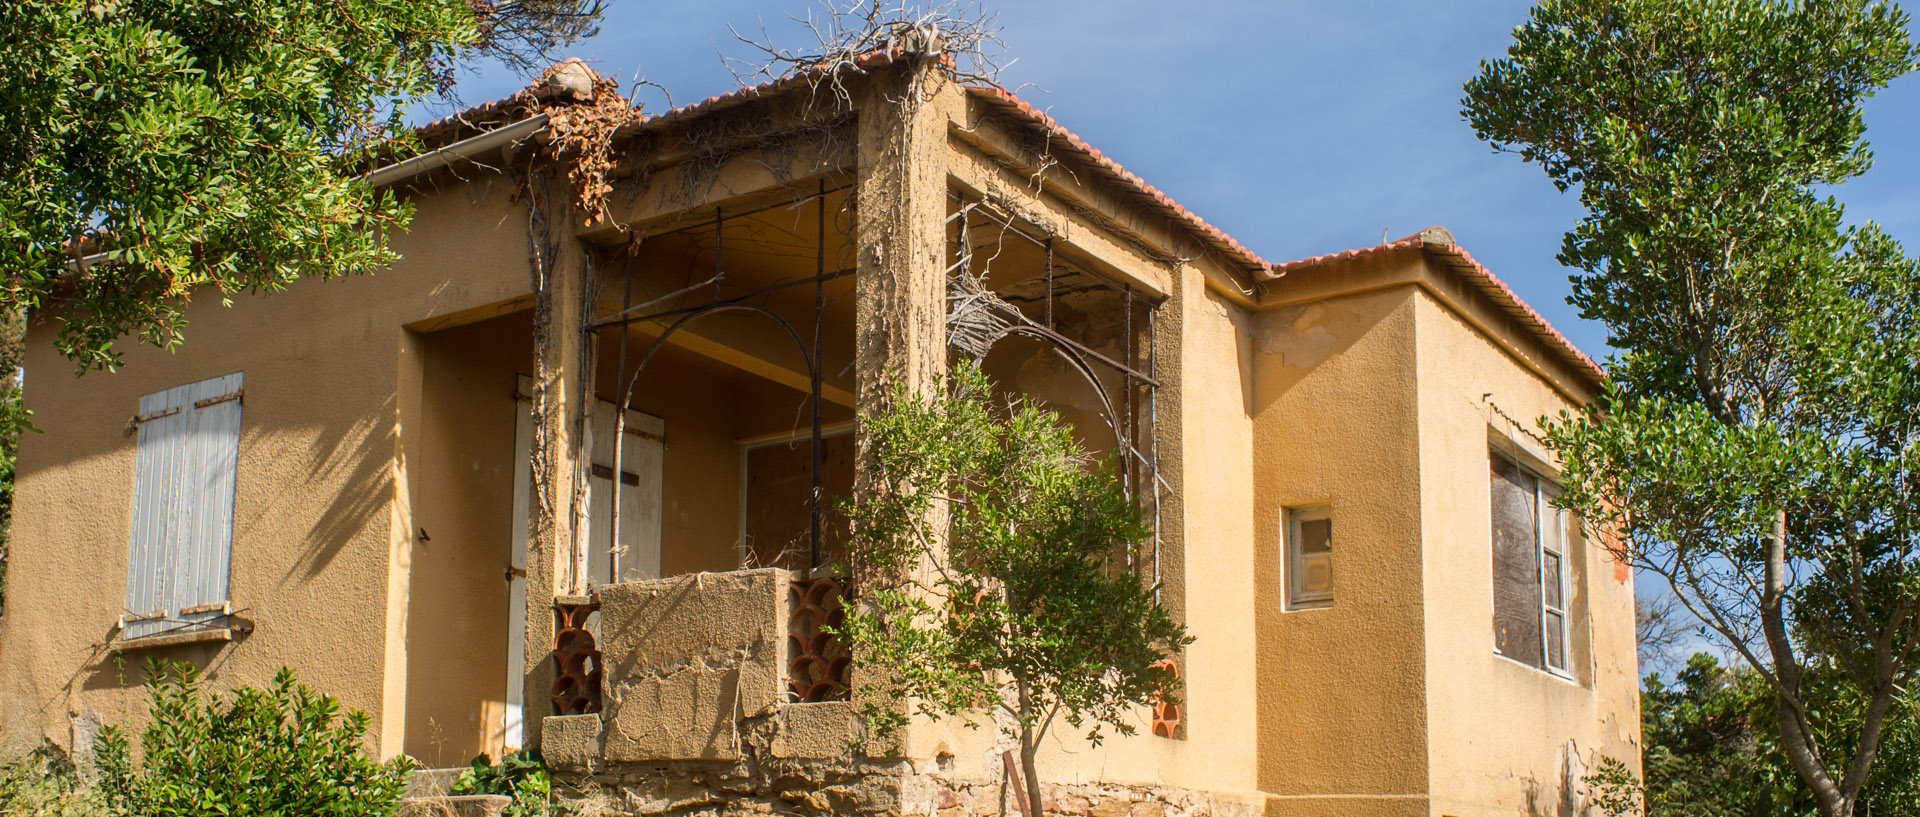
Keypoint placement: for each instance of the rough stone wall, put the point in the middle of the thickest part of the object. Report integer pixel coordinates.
(688, 660)
(773, 777)
(696, 724)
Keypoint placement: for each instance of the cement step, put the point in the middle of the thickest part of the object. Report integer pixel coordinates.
(465, 805)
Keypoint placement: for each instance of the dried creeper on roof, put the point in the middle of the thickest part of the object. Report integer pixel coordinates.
(587, 110)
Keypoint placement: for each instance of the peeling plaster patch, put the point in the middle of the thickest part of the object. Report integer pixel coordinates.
(86, 730)
(1298, 335)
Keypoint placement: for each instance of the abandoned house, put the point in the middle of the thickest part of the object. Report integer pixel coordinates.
(561, 477)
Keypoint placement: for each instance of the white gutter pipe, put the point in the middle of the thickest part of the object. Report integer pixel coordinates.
(402, 171)
(462, 149)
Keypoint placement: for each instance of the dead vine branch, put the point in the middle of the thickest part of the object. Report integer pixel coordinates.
(842, 34)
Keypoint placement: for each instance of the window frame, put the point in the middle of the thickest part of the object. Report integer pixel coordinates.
(1295, 596)
(1544, 489)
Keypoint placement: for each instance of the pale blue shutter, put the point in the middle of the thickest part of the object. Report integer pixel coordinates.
(181, 541)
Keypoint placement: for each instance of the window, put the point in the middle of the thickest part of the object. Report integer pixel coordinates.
(1309, 544)
(1530, 567)
(182, 532)
(776, 505)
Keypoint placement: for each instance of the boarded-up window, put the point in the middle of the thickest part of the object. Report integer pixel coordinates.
(181, 541)
(1309, 565)
(778, 528)
(1530, 567)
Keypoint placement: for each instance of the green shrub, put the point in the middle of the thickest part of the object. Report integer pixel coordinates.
(521, 775)
(285, 751)
(45, 784)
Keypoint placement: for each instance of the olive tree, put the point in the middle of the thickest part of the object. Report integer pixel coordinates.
(1756, 445)
(992, 560)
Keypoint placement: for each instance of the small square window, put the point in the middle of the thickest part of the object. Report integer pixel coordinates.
(1308, 536)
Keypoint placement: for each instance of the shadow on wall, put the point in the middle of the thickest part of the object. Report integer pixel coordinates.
(352, 467)
(105, 670)
(1292, 341)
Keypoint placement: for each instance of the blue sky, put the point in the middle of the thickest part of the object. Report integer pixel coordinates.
(1299, 128)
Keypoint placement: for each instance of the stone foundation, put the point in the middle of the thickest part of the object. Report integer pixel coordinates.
(870, 787)
(697, 723)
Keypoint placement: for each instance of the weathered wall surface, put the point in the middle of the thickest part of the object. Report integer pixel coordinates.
(688, 658)
(1342, 688)
(1216, 599)
(320, 547)
(1506, 738)
(696, 724)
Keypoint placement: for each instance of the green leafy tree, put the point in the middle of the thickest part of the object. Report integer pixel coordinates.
(155, 150)
(1756, 445)
(1712, 748)
(993, 561)
(45, 783)
(283, 751)
(15, 420)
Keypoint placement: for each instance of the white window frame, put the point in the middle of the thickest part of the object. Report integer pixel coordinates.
(1544, 490)
(180, 537)
(1297, 597)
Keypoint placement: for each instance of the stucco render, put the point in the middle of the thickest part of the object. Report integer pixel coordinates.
(374, 515)
(319, 547)
(1342, 687)
(1507, 738)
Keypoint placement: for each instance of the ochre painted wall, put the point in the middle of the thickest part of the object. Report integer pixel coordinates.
(461, 481)
(319, 545)
(1506, 737)
(1342, 688)
(380, 406)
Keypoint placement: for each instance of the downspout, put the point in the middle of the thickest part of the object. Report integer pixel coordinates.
(404, 170)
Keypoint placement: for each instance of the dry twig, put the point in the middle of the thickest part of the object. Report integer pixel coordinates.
(962, 33)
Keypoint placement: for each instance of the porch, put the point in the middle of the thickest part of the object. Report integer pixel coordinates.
(731, 338)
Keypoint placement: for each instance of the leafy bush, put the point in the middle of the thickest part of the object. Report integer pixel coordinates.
(45, 784)
(521, 775)
(285, 751)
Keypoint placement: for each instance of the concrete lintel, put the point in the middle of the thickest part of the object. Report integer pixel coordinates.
(722, 352)
(1116, 255)
(681, 191)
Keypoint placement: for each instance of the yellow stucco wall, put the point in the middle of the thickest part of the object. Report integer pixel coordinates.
(319, 545)
(1506, 738)
(1342, 695)
(461, 480)
(1358, 384)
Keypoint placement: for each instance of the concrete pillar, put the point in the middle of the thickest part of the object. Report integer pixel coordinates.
(555, 562)
(901, 206)
(900, 230)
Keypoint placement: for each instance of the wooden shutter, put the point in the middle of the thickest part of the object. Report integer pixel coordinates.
(642, 484)
(181, 542)
(1516, 563)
